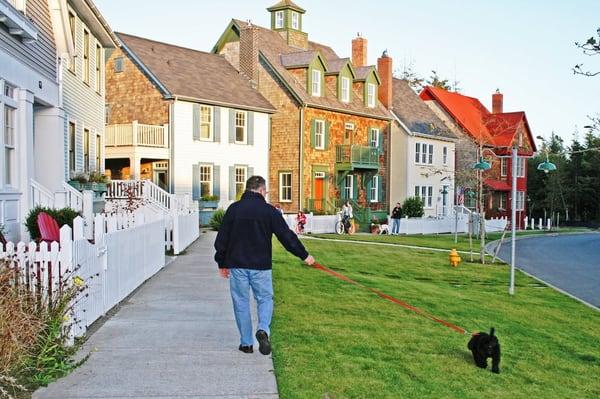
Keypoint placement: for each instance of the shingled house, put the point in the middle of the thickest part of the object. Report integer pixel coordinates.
(491, 135)
(329, 136)
(422, 153)
(183, 118)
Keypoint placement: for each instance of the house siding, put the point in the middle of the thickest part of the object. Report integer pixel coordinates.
(41, 54)
(82, 104)
(188, 152)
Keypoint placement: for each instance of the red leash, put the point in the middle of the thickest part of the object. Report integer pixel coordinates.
(390, 298)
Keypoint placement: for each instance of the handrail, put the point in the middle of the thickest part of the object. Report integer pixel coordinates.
(40, 195)
(346, 153)
(74, 198)
(137, 134)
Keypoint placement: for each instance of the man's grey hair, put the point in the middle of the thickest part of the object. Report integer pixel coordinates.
(254, 183)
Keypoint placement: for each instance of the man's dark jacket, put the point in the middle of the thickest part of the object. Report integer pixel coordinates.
(245, 236)
(397, 213)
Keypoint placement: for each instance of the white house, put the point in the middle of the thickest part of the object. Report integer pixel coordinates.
(422, 154)
(206, 129)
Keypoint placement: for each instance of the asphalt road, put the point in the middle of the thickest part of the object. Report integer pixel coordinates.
(568, 262)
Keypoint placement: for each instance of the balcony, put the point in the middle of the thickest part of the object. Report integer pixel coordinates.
(136, 134)
(352, 157)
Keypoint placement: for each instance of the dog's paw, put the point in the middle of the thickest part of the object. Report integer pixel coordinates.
(496, 371)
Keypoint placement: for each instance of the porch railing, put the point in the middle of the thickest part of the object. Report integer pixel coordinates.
(357, 154)
(137, 134)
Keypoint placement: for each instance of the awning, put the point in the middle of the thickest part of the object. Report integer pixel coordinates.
(497, 185)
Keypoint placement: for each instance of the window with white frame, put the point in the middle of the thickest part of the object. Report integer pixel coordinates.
(86, 56)
(240, 181)
(425, 193)
(371, 95)
(206, 180)
(424, 153)
(71, 147)
(374, 189)
(348, 186)
(9, 145)
(320, 135)
(285, 186)
(206, 116)
(501, 201)
(295, 20)
(520, 203)
(503, 167)
(374, 138)
(445, 155)
(240, 126)
(72, 30)
(9, 91)
(86, 150)
(20, 5)
(316, 82)
(520, 167)
(278, 19)
(345, 90)
(98, 75)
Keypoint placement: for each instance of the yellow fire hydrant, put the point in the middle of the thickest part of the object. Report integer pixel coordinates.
(454, 258)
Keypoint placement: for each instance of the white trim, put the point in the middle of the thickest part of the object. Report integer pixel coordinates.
(503, 167)
(371, 90)
(279, 19)
(425, 193)
(445, 155)
(295, 20)
(244, 126)
(210, 181)
(281, 187)
(243, 182)
(316, 83)
(375, 187)
(349, 187)
(378, 137)
(210, 122)
(345, 95)
(321, 123)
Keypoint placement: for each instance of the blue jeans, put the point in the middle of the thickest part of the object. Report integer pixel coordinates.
(395, 226)
(261, 282)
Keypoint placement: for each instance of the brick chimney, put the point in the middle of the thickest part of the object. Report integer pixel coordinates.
(249, 53)
(384, 68)
(359, 51)
(497, 102)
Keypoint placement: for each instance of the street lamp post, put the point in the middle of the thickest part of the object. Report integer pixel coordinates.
(481, 167)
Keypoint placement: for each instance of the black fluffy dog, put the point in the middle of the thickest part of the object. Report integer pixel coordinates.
(485, 345)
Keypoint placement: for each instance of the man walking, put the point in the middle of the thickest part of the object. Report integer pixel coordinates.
(244, 254)
(396, 216)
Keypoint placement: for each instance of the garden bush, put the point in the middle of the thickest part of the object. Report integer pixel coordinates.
(217, 219)
(64, 216)
(413, 207)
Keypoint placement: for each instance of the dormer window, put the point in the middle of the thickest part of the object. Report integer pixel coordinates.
(295, 20)
(371, 95)
(345, 89)
(278, 19)
(316, 82)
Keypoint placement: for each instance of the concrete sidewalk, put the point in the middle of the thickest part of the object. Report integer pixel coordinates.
(174, 338)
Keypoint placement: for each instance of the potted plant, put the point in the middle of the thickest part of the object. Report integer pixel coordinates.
(78, 180)
(209, 201)
(99, 182)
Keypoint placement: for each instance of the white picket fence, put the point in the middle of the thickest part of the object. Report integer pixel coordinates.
(125, 252)
(315, 224)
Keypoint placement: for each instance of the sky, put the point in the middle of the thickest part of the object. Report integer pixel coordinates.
(524, 48)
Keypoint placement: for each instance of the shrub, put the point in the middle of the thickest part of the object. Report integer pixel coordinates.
(217, 219)
(413, 207)
(97, 177)
(209, 198)
(64, 216)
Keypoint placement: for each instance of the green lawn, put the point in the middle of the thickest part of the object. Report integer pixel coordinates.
(443, 241)
(334, 340)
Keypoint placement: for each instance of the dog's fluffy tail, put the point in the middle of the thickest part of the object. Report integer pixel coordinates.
(492, 332)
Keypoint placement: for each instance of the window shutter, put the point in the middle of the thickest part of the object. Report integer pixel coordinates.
(326, 143)
(217, 181)
(231, 125)
(196, 122)
(195, 182)
(250, 124)
(313, 124)
(250, 172)
(217, 124)
(380, 141)
(342, 190)
(379, 190)
(368, 188)
(232, 183)
(355, 187)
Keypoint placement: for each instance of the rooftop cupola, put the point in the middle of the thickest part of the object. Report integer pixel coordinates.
(286, 18)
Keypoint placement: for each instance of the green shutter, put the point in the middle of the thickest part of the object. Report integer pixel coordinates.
(313, 124)
(381, 146)
(326, 143)
(217, 181)
(250, 124)
(355, 187)
(217, 124)
(368, 188)
(196, 121)
(380, 189)
(232, 183)
(195, 182)
(232, 126)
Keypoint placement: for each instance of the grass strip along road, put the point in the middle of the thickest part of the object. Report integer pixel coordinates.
(332, 339)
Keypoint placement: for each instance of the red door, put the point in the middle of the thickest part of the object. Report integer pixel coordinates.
(319, 182)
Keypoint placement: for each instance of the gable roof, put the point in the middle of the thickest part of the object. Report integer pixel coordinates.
(415, 114)
(272, 46)
(194, 75)
(496, 130)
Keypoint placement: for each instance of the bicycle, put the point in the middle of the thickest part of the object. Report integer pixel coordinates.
(348, 227)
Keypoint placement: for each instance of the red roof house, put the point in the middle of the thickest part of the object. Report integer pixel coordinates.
(495, 132)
